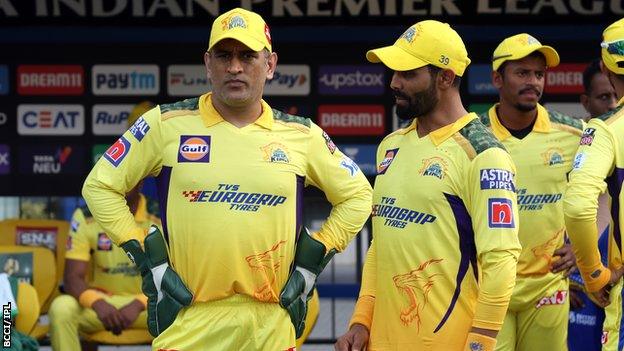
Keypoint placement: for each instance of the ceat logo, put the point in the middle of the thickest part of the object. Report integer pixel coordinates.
(50, 119)
(194, 148)
(500, 213)
(118, 151)
(558, 298)
(385, 163)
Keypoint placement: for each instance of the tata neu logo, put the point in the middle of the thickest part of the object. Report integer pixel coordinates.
(352, 119)
(109, 119)
(187, 80)
(40, 159)
(50, 119)
(289, 80)
(125, 80)
(567, 78)
(351, 80)
(50, 80)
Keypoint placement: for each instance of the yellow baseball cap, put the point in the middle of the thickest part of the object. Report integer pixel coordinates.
(242, 25)
(425, 43)
(522, 45)
(613, 47)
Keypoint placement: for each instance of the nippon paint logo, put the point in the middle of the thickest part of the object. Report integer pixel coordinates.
(352, 119)
(50, 119)
(567, 78)
(125, 80)
(50, 80)
(352, 80)
(108, 119)
(187, 80)
(289, 80)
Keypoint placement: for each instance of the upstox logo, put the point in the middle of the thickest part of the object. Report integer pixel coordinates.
(50, 119)
(125, 80)
(351, 80)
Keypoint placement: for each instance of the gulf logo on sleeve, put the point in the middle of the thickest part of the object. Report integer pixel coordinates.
(500, 213)
(194, 148)
(385, 163)
(118, 151)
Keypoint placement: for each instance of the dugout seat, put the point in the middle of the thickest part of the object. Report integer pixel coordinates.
(28, 307)
(37, 266)
(49, 233)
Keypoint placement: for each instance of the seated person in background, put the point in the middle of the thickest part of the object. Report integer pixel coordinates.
(113, 299)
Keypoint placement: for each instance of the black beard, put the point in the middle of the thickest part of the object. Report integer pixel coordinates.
(419, 104)
(525, 107)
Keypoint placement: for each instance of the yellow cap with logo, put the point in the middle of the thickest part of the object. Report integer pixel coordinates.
(613, 47)
(520, 46)
(242, 25)
(425, 43)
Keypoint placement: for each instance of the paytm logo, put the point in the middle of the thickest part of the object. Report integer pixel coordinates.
(107, 119)
(4, 80)
(480, 80)
(289, 80)
(351, 80)
(50, 119)
(125, 80)
(187, 80)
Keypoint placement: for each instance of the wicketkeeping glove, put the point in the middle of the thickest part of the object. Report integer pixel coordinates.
(310, 259)
(165, 291)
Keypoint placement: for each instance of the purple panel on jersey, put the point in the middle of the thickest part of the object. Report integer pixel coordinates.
(614, 184)
(300, 186)
(163, 180)
(466, 247)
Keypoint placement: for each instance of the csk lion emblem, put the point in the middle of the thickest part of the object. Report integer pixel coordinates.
(415, 286)
(545, 250)
(264, 266)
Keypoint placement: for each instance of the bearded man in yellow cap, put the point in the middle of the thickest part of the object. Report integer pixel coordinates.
(442, 264)
(542, 144)
(599, 167)
(233, 269)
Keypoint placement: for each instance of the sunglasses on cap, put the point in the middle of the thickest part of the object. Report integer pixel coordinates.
(614, 47)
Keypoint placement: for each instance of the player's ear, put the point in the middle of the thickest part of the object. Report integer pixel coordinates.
(207, 64)
(584, 100)
(446, 78)
(271, 65)
(497, 79)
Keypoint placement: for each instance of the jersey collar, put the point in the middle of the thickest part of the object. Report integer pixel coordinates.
(211, 116)
(542, 122)
(439, 135)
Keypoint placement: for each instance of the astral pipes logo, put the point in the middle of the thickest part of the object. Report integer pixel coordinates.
(351, 80)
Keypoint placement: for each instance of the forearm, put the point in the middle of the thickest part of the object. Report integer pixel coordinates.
(497, 284)
(345, 220)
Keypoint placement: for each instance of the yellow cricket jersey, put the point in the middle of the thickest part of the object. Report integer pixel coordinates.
(445, 246)
(112, 270)
(598, 166)
(543, 159)
(230, 198)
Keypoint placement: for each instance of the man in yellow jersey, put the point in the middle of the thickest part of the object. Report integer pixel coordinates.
(598, 167)
(542, 144)
(231, 269)
(112, 300)
(442, 264)
(598, 96)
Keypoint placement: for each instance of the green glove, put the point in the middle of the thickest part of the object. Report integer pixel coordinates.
(310, 259)
(165, 291)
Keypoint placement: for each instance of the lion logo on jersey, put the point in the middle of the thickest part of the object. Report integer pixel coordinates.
(415, 286)
(264, 265)
(545, 250)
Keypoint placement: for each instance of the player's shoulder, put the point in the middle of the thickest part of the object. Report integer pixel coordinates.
(565, 123)
(180, 108)
(84, 211)
(612, 116)
(479, 138)
(399, 133)
(302, 124)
